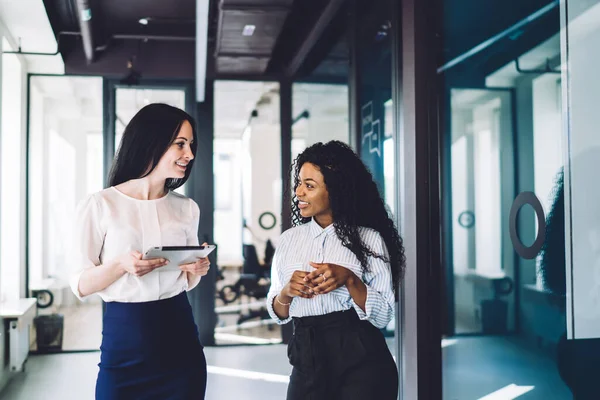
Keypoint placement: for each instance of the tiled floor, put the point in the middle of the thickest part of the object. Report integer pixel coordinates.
(232, 375)
(474, 367)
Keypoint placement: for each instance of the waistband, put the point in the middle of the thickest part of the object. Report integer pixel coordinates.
(334, 319)
(148, 308)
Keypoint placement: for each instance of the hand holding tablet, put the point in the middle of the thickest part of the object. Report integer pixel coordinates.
(178, 255)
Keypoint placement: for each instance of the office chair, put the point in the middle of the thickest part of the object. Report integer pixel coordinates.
(254, 281)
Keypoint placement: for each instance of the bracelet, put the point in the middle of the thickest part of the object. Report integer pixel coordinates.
(283, 304)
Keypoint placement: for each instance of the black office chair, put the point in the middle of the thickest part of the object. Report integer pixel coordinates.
(253, 271)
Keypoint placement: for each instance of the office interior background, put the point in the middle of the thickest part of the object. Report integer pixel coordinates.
(477, 119)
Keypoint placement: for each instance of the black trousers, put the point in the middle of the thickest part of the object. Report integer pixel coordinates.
(338, 356)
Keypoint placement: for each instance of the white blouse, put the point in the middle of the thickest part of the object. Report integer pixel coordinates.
(110, 224)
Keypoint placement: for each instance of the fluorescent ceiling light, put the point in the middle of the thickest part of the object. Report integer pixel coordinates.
(248, 30)
(201, 47)
(240, 373)
(509, 392)
(231, 337)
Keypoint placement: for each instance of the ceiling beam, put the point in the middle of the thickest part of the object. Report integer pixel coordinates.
(313, 36)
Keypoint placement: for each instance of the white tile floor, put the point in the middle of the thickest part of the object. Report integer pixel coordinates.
(236, 372)
(473, 368)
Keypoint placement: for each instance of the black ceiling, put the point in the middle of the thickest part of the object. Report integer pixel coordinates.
(283, 41)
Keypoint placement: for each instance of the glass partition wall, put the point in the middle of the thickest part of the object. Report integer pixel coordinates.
(521, 217)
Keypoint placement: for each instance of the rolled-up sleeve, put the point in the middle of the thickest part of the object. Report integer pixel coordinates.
(379, 307)
(192, 240)
(89, 238)
(276, 287)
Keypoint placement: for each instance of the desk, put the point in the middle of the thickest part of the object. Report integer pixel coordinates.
(19, 315)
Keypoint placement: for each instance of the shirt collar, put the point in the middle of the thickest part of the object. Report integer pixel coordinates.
(316, 230)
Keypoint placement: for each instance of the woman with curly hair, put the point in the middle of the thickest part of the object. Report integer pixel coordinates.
(335, 274)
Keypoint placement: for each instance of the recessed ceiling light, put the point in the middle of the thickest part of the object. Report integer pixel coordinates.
(248, 30)
(143, 21)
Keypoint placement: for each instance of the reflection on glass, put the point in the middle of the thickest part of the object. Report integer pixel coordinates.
(247, 157)
(506, 142)
(389, 166)
(66, 152)
(376, 138)
(481, 132)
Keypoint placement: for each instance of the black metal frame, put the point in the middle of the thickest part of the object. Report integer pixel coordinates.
(27, 159)
(419, 134)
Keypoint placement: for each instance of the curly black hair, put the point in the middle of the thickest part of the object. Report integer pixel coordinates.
(355, 202)
(552, 263)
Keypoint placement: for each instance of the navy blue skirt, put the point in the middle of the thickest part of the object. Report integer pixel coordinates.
(149, 351)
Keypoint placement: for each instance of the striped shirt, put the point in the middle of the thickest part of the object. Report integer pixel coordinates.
(310, 243)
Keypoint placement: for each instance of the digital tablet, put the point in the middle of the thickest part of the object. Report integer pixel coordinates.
(178, 255)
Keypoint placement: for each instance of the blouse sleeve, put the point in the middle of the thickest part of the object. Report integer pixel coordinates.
(276, 287)
(192, 240)
(379, 306)
(89, 239)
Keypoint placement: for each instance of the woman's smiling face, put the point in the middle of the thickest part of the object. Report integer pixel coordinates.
(312, 194)
(174, 162)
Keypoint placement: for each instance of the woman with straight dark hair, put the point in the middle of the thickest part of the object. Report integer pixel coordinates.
(334, 274)
(150, 347)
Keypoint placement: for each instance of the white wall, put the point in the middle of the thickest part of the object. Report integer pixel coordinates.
(328, 108)
(488, 225)
(266, 186)
(228, 219)
(463, 239)
(66, 165)
(547, 136)
(13, 162)
(36, 182)
(476, 180)
(12, 182)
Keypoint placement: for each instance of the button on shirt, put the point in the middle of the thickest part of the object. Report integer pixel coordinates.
(307, 243)
(110, 224)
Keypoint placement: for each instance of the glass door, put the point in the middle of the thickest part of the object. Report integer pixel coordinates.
(482, 189)
(65, 166)
(521, 199)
